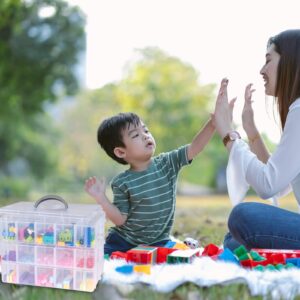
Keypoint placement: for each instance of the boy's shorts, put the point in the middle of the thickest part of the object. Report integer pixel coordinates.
(114, 242)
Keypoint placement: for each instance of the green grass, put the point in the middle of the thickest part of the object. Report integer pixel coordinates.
(203, 218)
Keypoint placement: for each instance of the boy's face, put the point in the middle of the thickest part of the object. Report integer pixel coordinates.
(139, 143)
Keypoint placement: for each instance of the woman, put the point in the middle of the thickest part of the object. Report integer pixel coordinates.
(257, 225)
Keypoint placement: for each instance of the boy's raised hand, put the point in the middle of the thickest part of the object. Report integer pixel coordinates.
(95, 187)
(223, 111)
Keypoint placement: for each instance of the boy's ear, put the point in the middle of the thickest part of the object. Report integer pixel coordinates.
(119, 152)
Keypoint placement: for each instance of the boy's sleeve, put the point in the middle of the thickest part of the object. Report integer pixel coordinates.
(120, 199)
(178, 158)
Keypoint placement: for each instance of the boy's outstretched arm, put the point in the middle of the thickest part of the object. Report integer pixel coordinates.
(201, 139)
(96, 188)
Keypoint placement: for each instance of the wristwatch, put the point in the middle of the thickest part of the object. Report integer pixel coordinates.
(231, 136)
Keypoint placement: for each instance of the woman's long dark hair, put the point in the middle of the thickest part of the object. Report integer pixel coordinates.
(287, 45)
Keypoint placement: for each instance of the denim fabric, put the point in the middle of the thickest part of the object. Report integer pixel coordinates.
(258, 225)
(114, 242)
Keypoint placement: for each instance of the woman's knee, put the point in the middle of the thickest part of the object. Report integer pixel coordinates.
(246, 214)
(239, 215)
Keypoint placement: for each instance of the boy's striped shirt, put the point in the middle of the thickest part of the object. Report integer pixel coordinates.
(148, 198)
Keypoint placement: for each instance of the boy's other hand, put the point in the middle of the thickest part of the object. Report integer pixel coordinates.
(95, 187)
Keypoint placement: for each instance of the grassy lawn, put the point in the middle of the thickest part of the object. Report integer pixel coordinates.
(203, 218)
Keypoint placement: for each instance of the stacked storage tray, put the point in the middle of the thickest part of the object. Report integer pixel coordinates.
(52, 246)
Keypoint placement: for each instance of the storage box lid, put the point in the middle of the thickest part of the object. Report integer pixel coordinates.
(73, 210)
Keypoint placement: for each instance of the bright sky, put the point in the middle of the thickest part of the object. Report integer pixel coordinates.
(218, 38)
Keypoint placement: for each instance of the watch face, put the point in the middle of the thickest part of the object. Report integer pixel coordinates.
(234, 135)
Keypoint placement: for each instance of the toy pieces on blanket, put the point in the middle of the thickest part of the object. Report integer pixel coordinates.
(182, 256)
(274, 260)
(142, 255)
(128, 269)
(228, 256)
(270, 267)
(212, 250)
(285, 252)
(118, 255)
(161, 255)
(176, 245)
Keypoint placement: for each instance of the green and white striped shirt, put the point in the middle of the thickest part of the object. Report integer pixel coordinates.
(148, 198)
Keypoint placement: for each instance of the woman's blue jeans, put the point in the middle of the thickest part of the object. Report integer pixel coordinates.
(258, 225)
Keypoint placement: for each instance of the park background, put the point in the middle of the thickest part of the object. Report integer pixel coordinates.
(65, 66)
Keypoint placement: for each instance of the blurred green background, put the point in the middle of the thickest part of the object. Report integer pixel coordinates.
(49, 120)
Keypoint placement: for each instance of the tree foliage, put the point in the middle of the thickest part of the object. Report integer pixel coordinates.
(168, 96)
(40, 45)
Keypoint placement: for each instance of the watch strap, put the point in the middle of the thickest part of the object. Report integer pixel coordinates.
(227, 137)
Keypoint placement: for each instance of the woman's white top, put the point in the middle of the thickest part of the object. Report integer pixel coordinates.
(278, 176)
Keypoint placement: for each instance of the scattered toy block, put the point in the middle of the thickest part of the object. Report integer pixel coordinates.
(118, 255)
(268, 252)
(126, 269)
(169, 244)
(240, 251)
(256, 257)
(146, 269)
(181, 246)
(182, 256)
(277, 258)
(294, 261)
(228, 256)
(142, 255)
(211, 250)
(162, 254)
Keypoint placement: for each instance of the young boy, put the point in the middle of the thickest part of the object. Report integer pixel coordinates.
(145, 194)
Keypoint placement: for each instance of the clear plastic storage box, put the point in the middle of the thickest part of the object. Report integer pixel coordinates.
(50, 243)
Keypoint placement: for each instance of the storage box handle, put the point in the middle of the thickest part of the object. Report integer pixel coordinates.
(51, 197)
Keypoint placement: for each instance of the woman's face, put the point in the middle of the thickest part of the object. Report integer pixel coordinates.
(269, 70)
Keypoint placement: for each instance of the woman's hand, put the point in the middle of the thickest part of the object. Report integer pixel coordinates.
(248, 113)
(222, 117)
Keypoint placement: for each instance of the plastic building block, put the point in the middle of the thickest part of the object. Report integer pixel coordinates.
(289, 265)
(240, 251)
(118, 255)
(181, 246)
(268, 252)
(182, 256)
(279, 267)
(126, 269)
(169, 244)
(277, 258)
(146, 269)
(162, 254)
(294, 261)
(259, 268)
(250, 263)
(245, 256)
(142, 255)
(228, 256)
(270, 267)
(211, 250)
(256, 257)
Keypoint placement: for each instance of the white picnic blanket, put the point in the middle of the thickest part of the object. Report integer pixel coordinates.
(205, 272)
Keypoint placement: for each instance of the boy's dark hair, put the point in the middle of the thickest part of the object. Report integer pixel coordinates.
(109, 133)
